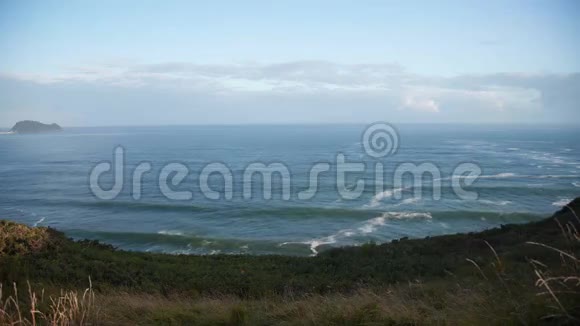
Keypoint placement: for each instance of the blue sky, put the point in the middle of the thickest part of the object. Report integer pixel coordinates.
(181, 62)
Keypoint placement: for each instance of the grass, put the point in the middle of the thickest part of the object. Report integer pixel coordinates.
(65, 308)
(516, 274)
(414, 303)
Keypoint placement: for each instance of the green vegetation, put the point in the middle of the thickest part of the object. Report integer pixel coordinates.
(17, 239)
(514, 274)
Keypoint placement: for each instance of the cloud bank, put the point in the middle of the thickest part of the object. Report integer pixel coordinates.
(291, 92)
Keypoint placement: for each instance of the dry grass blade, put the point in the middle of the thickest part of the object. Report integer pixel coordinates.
(573, 212)
(555, 249)
(478, 268)
(500, 266)
(541, 282)
(68, 308)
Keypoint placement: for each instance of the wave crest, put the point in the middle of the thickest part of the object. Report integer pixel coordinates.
(562, 202)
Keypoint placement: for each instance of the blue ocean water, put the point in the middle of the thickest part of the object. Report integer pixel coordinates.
(527, 174)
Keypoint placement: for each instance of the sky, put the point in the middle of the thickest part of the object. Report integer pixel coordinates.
(101, 63)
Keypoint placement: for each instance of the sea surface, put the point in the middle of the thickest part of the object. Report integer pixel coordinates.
(527, 174)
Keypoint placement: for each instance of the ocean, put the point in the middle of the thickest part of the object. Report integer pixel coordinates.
(526, 173)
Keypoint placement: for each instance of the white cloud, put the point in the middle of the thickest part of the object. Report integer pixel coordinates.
(320, 91)
(414, 103)
(306, 74)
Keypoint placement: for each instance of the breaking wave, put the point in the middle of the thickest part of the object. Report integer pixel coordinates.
(561, 202)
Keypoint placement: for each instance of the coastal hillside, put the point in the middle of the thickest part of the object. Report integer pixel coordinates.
(513, 274)
(289, 163)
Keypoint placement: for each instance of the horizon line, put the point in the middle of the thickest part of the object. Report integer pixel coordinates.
(526, 124)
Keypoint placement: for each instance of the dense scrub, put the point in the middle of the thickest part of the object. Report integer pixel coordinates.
(17, 239)
(71, 263)
(512, 263)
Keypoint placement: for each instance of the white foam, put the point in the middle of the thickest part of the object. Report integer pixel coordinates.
(505, 175)
(331, 239)
(409, 201)
(520, 176)
(375, 201)
(179, 252)
(371, 225)
(547, 157)
(315, 243)
(495, 202)
(558, 176)
(170, 232)
(562, 202)
(406, 215)
(489, 176)
(368, 226)
(39, 221)
(576, 184)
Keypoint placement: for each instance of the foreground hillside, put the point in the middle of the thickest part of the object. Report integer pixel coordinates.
(514, 274)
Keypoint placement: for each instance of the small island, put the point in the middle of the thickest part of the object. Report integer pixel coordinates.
(34, 127)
